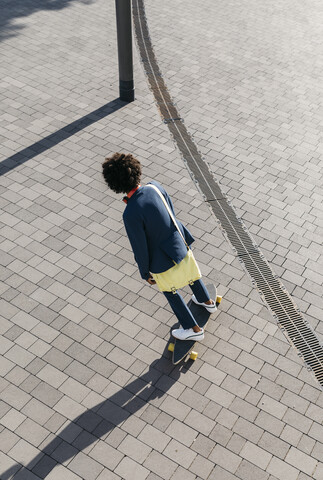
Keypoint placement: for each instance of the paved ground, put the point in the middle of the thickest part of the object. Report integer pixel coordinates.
(81, 396)
(249, 87)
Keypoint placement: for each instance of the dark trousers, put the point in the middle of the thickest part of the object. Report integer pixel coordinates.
(180, 308)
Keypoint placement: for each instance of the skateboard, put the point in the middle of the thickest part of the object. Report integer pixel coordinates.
(183, 348)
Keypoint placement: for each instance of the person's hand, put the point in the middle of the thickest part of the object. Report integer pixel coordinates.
(151, 281)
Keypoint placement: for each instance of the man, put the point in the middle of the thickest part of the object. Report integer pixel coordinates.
(155, 241)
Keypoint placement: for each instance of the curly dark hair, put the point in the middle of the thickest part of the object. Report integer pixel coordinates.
(122, 172)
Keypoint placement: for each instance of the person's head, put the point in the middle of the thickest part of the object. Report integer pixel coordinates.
(122, 172)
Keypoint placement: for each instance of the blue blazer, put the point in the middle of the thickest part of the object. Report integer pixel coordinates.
(154, 239)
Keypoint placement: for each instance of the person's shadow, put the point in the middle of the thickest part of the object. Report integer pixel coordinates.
(102, 419)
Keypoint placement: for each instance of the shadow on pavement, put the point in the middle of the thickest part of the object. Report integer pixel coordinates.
(100, 420)
(55, 138)
(10, 11)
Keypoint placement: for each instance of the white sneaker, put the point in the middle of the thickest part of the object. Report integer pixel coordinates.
(210, 308)
(188, 334)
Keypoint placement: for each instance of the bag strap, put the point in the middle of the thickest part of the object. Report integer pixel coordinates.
(169, 211)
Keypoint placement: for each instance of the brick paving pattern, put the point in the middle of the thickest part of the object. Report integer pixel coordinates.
(247, 80)
(87, 387)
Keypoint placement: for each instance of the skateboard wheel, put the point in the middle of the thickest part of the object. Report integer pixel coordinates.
(193, 355)
(171, 347)
(218, 299)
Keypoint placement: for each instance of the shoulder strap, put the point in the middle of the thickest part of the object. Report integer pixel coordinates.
(168, 209)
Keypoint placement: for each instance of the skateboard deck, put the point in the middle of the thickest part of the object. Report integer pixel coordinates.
(182, 348)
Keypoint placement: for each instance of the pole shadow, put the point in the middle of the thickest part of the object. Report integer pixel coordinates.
(97, 422)
(11, 11)
(55, 138)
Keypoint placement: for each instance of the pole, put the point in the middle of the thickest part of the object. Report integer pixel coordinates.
(124, 36)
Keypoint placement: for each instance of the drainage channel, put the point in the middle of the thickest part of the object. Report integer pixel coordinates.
(285, 311)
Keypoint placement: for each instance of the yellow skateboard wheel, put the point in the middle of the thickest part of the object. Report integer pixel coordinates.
(171, 347)
(193, 355)
(218, 299)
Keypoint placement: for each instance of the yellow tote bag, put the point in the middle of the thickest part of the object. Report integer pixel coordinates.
(181, 274)
(184, 273)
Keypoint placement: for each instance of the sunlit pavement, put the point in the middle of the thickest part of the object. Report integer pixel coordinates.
(81, 396)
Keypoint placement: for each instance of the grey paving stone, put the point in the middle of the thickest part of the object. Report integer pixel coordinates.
(201, 386)
(199, 422)
(222, 473)
(236, 443)
(154, 438)
(226, 418)
(12, 419)
(112, 436)
(264, 353)
(55, 422)
(235, 386)
(134, 449)
(160, 465)
(129, 469)
(80, 352)
(221, 435)
(301, 461)
(213, 374)
(13, 396)
(298, 403)
(225, 459)
(273, 407)
(6, 366)
(13, 332)
(281, 469)
(244, 409)
(248, 430)
(269, 423)
(85, 466)
(306, 444)
(24, 453)
(219, 395)
(107, 475)
(182, 473)
(203, 445)
(20, 356)
(57, 359)
(45, 315)
(37, 411)
(182, 433)
(69, 408)
(298, 421)
(256, 455)
(270, 388)
(47, 394)
(32, 432)
(7, 440)
(248, 470)
(75, 332)
(5, 345)
(162, 421)
(317, 450)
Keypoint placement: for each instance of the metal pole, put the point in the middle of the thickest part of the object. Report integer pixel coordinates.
(124, 35)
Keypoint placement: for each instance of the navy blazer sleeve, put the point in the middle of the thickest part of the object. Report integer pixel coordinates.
(136, 233)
